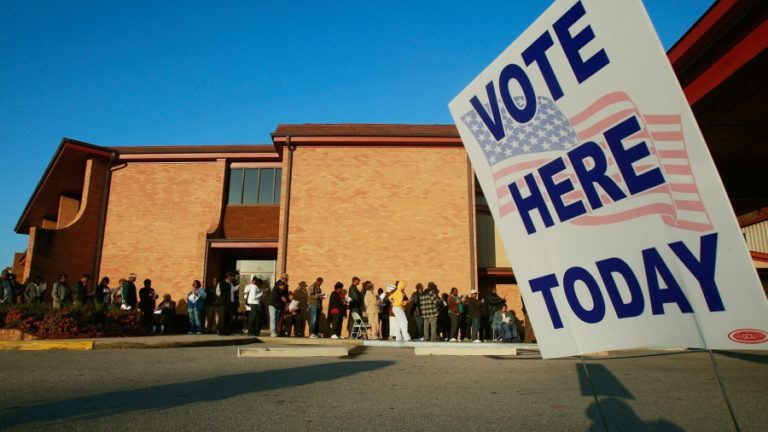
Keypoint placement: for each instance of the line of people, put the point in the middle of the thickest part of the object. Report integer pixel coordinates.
(435, 316)
(392, 313)
(156, 317)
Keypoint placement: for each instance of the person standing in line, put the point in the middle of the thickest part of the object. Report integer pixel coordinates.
(429, 301)
(147, 297)
(81, 290)
(276, 307)
(454, 303)
(336, 310)
(129, 292)
(416, 312)
(101, 294)
(17, 291)
(6, 289)
(116, 296)
(42, 287)
(443, 322)
(399, 303)
(465, 322)
(33, 291)
(195, 306)
(29, 291)
(315, 303)
(224, 304)
(61, 293)
(253, 294)
(234, 304)
(278, 303)
(210, 305)
(292, 317)
(371, 301)
(476, 315)
(384, 310)
(355, 300)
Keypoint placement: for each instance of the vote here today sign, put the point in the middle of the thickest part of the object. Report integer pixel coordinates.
(615, 220)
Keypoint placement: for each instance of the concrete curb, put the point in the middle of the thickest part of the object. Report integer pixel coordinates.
(44, 345)
(281, 351)
(176, 341)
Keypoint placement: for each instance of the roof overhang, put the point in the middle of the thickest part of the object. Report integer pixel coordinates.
(366, 135)
(722, 65)
(63, 176)
(258, 152)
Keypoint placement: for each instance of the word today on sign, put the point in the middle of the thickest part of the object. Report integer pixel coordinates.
(600, 183)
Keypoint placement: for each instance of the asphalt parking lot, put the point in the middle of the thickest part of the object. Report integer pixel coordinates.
(209, 388)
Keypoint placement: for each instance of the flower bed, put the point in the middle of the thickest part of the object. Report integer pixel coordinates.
(75, 322)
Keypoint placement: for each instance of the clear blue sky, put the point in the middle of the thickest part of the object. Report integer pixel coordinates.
(200, 72)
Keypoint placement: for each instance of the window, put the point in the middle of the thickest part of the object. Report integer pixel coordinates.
(254, 186)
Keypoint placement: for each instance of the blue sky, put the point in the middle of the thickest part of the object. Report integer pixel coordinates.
(200, 72)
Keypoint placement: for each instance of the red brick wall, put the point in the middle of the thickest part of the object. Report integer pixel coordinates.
(251, 221)
(158, 218)
(71, 249)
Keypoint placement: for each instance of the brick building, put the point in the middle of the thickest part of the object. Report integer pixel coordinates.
(384, 202)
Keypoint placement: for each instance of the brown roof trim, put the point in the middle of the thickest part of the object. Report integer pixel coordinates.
(167, 149)
(365, 130)
(261, 152)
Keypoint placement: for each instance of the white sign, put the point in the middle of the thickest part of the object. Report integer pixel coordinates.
(607, 200)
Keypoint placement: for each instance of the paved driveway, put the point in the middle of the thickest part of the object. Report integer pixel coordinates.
(386, 389)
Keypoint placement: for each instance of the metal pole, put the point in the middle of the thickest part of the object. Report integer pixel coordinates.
(594, 393)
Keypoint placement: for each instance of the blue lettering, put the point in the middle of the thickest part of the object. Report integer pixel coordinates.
(495, 125)
(544, 285)
(537, 53)
(703, 270)
(515, 72)
(595, 176)
(582, 69)
(654, 265)
(635, 305)
(625, 157)
(535, 201)
(576, 274)
(557, 190)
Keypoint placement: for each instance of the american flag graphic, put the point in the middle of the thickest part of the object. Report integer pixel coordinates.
(550, 135)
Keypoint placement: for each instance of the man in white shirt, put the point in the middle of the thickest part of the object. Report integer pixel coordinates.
(253, 293)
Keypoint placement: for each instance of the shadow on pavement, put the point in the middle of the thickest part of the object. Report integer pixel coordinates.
(167, 396)
(617, 415)
(761, 358)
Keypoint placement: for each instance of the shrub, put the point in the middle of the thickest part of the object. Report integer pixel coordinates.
(74, 322)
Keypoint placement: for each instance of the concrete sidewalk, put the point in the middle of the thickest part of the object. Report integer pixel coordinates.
(187, 341)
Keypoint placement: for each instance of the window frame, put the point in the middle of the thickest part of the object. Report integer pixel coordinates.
(241, 189)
